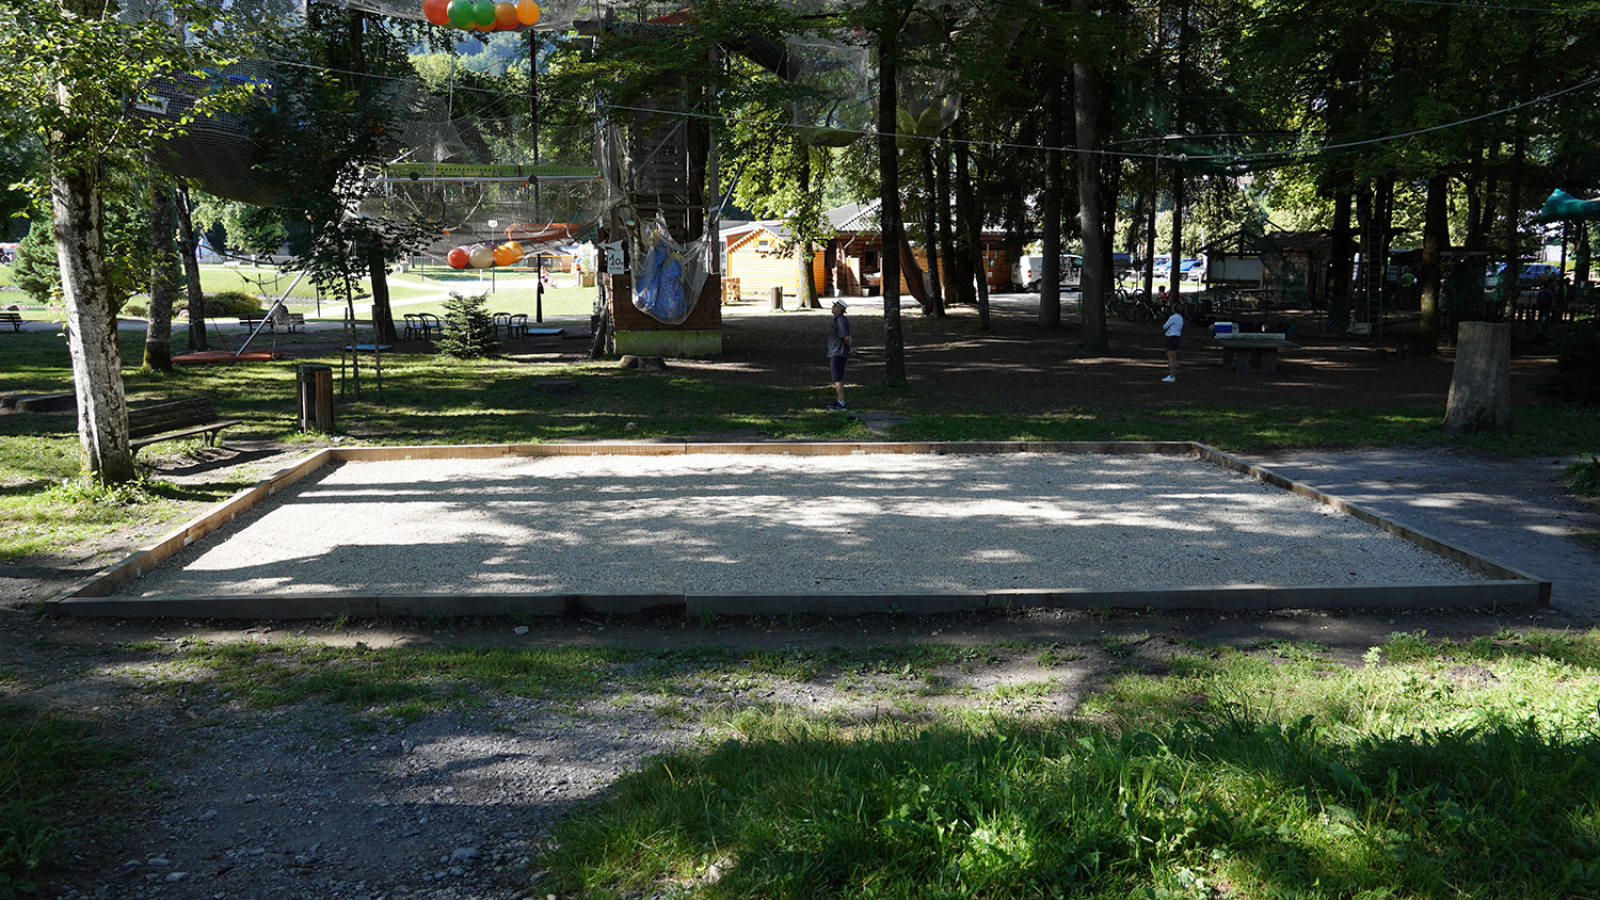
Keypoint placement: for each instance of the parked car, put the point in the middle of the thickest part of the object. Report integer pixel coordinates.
(1029, 269)
(1532, 275)
(1121, 262)
(1162, 265)
(1194, 269)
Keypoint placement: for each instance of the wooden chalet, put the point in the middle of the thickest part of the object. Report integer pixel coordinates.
(760, 256)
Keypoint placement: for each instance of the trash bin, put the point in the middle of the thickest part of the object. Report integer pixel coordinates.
(315, 384)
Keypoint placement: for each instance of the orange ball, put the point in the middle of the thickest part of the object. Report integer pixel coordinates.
(458, 258)
(528, 12)
(505, 15)
(435, 11)
(505, 256)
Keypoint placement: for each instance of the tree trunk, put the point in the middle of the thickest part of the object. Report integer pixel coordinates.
(382, 313)
(1178, 199)
(163, 276)
(1050, 206)
(894, 342)
(91, 325)
(1179, 184)
(930, 234)
(1480, 388)
(189, 249)
(805, 283)
(1150, 230)
(972, 227)
(957, 269)
(1507, 289)
(1580, 258)
(1435, 240)
(1341, 260)
(1091, 216)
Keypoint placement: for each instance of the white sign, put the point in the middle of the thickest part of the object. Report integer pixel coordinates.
(614, 261)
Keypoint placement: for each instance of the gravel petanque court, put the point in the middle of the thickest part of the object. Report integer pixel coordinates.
(775, 524)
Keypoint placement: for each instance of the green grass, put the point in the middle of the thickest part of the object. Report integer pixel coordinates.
(44, 760)
(1235, 776)
(1432, 769)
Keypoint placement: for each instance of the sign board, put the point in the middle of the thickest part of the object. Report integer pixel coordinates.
(615, 262)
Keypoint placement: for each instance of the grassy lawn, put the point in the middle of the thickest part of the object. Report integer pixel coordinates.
(1430, 769)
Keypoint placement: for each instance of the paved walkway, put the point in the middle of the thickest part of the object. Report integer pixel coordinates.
(1511, 509)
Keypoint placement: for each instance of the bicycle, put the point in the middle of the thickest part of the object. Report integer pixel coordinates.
(1140, 309)
(1117, 300)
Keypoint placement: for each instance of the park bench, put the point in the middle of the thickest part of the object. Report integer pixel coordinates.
(294, 321)
(175, 420)
(14, 318)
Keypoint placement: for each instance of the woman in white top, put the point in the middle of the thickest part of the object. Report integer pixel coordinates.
(1174, 331)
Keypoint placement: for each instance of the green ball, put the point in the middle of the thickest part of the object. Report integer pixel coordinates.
(483, 12)
(461, 13)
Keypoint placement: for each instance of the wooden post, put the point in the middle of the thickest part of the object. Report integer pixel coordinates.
(1480, 389)
(777, 297)
(316, 398)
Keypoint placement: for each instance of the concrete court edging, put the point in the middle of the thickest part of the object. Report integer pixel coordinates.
(91, 597)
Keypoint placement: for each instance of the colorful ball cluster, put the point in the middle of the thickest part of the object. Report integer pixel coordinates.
(483, 256)
(482, 15)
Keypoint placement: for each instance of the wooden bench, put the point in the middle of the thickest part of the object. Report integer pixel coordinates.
(296, 320)
(14, 318)
(175, 420)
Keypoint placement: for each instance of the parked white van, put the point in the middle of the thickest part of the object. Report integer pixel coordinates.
(1028, 270)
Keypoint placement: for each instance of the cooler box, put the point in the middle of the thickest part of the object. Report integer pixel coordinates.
(1222, 328)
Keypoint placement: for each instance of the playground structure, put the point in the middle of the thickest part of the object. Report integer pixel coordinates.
(641, 184)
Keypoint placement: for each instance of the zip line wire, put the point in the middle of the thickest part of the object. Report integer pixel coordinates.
(1291, 153)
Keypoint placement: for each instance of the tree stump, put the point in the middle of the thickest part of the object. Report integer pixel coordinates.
(1480, 388)
(647, 363)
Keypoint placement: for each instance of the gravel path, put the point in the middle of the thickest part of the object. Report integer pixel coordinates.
(786, 523)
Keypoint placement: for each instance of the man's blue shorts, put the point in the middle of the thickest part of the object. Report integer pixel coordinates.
(836, 366)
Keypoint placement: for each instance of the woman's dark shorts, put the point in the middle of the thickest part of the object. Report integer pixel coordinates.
(1172, 342)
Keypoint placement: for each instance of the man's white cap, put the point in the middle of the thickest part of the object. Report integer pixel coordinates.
(840, 304)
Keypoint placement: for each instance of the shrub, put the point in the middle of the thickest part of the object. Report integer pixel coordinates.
(1584, 475)
(1577, 378)
(224, 304)
(468, 328)
(35, 269)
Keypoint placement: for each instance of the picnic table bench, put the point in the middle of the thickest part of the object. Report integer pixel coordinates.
(174, 420)
(295, 320)
(14, 318)
(1255, 354)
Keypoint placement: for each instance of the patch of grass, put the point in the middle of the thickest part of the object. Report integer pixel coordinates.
(1241, 777)
(43, 763)
(1584, 476)
(1055, 656)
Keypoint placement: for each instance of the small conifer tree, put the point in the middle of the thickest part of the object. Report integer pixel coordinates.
(35, 269)
(468, 327)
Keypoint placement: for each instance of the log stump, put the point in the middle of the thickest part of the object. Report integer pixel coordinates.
(1480, 388)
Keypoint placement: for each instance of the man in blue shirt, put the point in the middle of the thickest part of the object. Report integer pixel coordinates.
(838, 351)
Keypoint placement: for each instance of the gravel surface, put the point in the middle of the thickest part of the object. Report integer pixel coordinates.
(715, 523)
